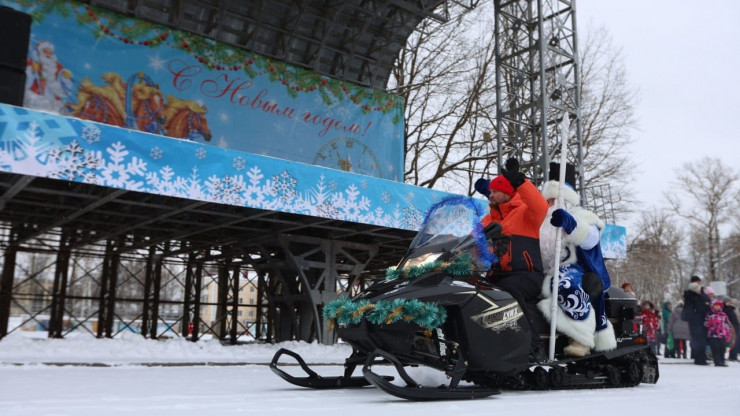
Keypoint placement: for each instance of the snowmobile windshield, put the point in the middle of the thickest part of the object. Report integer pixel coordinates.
(451, 226)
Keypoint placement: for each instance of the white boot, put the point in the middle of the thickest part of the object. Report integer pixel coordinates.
(576, 349)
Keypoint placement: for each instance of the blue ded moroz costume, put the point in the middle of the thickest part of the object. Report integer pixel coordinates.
(582, 317)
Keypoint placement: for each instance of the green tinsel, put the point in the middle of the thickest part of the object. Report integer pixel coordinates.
(463, 266)
(379, 314)
(344, 311)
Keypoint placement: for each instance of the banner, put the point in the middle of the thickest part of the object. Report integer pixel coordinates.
(614, 242)
(97, 65)
(43, 144)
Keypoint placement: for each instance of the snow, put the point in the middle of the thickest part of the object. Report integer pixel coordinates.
(132, 375)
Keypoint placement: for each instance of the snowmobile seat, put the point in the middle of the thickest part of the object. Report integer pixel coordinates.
(592, 284)
(621, 304)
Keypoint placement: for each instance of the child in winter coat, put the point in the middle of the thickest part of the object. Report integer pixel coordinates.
(680, 330)
(719, 331)
(650, 325)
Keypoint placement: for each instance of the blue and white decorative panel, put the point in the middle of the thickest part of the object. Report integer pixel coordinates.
(614, 242)
(53, 146)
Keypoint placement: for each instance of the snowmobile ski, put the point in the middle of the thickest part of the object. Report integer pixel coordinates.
(416, 392)
(313, 380)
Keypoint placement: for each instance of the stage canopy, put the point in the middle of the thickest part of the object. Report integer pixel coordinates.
(351, 40)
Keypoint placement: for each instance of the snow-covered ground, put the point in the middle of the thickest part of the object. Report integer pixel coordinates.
(132, 375)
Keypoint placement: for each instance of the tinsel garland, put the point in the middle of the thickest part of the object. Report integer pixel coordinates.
(345, 311)
(462, 266)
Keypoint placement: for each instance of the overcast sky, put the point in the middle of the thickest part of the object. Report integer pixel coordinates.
(684, 59)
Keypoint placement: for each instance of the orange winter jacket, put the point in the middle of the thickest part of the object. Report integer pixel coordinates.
(518, 248)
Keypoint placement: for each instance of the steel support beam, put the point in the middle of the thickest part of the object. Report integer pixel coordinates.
(188, 314)
(59, 290)
(152, 287)
(6, 280)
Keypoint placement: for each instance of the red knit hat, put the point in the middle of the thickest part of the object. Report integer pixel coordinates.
(501, 184)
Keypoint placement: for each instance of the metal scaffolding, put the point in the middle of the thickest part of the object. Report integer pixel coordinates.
(169, 267)
(537, 84)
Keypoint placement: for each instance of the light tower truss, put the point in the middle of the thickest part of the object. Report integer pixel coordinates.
(537, 84)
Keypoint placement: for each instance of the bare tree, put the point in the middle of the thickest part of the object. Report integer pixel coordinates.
(708, 201)
(655, 267)
(608, 116)
(446, 77)
(730, 266)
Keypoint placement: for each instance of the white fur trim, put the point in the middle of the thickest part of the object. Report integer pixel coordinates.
(605, 340)
(584, 215)
(579, 234)
(584, 220)
(581, 331)
(551, 188)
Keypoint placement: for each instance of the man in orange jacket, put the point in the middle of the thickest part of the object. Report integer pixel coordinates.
(520, 208)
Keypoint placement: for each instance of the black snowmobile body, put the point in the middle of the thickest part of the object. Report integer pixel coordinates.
(484, 340)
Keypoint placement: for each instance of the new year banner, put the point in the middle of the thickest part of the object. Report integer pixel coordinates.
(96, 65)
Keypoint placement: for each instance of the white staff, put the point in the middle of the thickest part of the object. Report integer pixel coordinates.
(565, 127)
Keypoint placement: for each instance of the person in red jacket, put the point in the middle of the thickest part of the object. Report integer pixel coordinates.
(650, 325)
(520, 208)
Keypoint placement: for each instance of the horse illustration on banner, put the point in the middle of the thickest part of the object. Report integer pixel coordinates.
(138, 104)
(186, 119)
(144, 104)
(98, 103)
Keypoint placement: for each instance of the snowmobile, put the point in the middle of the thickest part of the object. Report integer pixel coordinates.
(436, 309)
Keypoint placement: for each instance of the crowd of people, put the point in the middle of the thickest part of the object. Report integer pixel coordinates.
(701, 327)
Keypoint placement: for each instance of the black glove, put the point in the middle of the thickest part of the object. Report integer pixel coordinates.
(511, 172)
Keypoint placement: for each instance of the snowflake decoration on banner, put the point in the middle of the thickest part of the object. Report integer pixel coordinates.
(353, 205)
(156, 153)
(73, 163)
(284, 186)
(255, 193)
(91, 134)
(327, 210)
(201, 153)
(227, 190)
(192, 187)
(162, 182)
(386, 197)
(30, 151)
(409, 197)
(412, 218)
(239, 163)
(333, 185)
(363, 184)
(318, 200)
(119, 174)
(378, 214)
